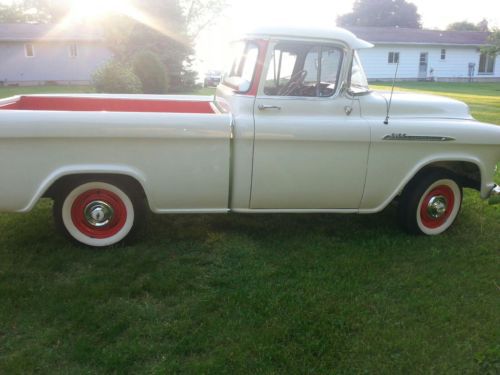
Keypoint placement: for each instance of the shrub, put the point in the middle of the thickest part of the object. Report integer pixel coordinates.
(152, 73)
(116, 77)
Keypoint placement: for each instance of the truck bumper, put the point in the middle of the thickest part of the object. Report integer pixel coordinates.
(494, 197)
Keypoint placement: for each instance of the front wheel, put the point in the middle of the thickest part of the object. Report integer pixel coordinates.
(98, 213)
(431, 204)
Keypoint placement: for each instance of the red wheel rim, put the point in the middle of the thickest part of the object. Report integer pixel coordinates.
(440, 193)
(108, 221)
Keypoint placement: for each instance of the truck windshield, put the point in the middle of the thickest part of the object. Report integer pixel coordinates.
(241, 71)
(358, 81)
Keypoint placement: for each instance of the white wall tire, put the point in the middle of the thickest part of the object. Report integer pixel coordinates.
(430, 225)
(431, 204)
(97, 213)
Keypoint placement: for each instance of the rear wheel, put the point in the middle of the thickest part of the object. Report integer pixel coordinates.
(430, 204)
(99, 213)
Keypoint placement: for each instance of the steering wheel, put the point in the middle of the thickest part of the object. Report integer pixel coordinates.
(296, 80)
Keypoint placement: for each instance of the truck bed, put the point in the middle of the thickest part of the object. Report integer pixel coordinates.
(176, 147)
(110, 103)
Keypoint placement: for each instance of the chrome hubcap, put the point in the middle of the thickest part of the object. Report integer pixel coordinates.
(437, 206)
(98, 213)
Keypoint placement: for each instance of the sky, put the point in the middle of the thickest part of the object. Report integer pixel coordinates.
(244, 14)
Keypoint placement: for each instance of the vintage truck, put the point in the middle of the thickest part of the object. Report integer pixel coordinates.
(293, 127)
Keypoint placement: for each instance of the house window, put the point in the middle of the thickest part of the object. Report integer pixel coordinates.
(29, 50)
(443, 54)
(73, 51)
(486, 63)
(393, 58)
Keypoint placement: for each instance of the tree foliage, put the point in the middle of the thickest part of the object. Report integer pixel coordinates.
(201, 14)
(382, 13)
(494, 40)
(34, 11)
(25, 11)
(116, 78)
(151, 71)
(468, 26)
(162, 32)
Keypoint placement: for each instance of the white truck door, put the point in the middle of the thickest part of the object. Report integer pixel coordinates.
(311, 145)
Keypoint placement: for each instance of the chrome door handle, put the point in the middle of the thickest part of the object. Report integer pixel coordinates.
(263, 107)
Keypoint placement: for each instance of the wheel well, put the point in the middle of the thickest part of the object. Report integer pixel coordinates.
(468, 173)
(64, 181)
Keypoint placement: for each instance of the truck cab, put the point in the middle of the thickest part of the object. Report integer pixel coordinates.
(291, 93)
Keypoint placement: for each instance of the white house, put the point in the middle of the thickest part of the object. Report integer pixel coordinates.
(33, 54)
(427, 54)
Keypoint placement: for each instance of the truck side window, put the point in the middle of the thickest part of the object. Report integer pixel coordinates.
(280, 71)
(358, 84)
(303, 70)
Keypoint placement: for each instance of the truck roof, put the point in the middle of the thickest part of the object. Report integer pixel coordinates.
(330, 33)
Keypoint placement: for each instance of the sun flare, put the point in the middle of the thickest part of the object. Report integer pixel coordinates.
(97, 9)
(91, 12)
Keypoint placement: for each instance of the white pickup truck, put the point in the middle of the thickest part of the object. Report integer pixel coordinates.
(293, 127)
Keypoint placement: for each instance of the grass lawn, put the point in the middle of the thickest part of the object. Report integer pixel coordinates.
(231, 294)
(483, 98)
(5, 92)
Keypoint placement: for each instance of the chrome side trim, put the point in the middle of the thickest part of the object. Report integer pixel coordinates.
(424, 138)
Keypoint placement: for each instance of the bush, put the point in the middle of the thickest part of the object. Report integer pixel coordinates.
(152, 73)
(116, 77)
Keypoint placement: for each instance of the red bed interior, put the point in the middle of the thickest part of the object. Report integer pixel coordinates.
(40, 103)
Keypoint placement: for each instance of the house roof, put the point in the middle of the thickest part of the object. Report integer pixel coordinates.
(400, 35)
(46, 32)
(335, 33)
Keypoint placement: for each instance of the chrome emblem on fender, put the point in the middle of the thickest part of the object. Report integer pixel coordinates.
(405, 137)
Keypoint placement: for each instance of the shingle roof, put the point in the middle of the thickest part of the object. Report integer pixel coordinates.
(34, 32)
(381, 35)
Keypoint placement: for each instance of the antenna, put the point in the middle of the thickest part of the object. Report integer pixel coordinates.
(386, 122)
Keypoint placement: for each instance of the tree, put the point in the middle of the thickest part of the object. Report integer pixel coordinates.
(11, 14)
(151, 71)
(168, 30)
(382, 13)
(468, 26)
(162, 30)
(494, 40)
(462, 26)
(116, 78)
(483, 25)
(25, 11)
(201, 13)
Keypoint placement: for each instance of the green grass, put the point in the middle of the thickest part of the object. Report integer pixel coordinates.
(271, 294)
(6, 92)
(206, 91)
